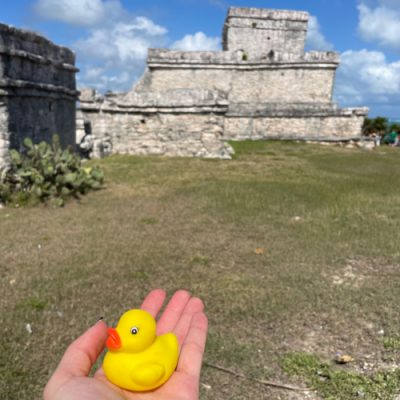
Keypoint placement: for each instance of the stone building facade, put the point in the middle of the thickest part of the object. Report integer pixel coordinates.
(262, 85)
(37, 90)
(182, 122)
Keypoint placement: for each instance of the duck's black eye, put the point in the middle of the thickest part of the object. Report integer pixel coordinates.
(134, 330)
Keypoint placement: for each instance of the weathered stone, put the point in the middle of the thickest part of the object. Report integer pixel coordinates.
(261, 86)
(88, 95)
(259, 31)
(37, 90)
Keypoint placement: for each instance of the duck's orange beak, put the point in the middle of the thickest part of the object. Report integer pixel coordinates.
(113, 341)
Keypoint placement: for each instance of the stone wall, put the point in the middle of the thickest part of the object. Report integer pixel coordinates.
(37, 90)
(281, 77)
(280, 84)
(327, 127)
(258, 31)
(188, 123)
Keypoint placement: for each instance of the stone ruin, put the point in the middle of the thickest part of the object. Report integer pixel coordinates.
(262, 85)
(37, 90)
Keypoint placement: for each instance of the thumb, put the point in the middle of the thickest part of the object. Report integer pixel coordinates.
(80, 356)
(84, 351)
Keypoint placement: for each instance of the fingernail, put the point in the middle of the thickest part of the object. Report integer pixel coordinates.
(100, 319)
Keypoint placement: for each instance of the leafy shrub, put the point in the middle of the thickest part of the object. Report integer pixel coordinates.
(378, 125)
(46, 173)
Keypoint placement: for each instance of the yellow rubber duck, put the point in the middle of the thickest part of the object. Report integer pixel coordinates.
(137, 359)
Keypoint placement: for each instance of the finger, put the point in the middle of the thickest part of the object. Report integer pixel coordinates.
(194, 306)
(78, 358)
(173, 312)
(154, 301)
(191, 356)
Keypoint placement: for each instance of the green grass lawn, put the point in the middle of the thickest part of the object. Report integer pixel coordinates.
(325, 278)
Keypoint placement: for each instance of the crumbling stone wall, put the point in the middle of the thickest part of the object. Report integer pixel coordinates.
(174, 123)
(37, 90)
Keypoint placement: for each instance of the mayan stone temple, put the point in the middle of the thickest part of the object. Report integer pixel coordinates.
(263, 85)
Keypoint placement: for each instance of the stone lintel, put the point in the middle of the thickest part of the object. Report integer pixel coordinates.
(266, 13)
(37, 59)
(265, 24)
(247, 67)
(169, 99)
(251, 25)
(114, 109)
(297, 110)
(238, 59)
(14, 87)
(321, 56)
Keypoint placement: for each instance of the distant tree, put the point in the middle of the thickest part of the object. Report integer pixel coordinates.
(375, 125)
(394, 128)
(367, 126)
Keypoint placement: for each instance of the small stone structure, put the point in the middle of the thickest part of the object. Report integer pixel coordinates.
(261, 86)
(37, 90)
(183, 122)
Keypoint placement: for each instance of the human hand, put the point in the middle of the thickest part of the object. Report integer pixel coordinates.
(183, 316)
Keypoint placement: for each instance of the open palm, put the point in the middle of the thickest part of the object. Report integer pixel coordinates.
(183, 316)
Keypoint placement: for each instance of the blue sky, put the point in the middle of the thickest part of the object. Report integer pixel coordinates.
(111, 37)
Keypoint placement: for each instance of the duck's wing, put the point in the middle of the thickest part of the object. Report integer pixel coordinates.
(171, 342)
(148, 374)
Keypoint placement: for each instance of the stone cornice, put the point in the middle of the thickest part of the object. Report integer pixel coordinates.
(266, 13)
(37, 59)
(246, 67)
(164, 58)
(127, 109)
(294, 110)
(8, 85)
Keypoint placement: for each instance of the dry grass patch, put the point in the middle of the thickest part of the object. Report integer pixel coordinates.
(173, 223)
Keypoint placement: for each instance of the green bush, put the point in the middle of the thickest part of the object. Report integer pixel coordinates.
(46, 173)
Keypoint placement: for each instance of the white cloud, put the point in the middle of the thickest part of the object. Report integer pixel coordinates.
(119, 50)
(112, 54)
(198, 41)
(367, 78)
(79, 12)
(122, 42)
(380, 24)
(94, 73)
(315, 39)
(395, 4)
(220, 4)
(104, 80)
